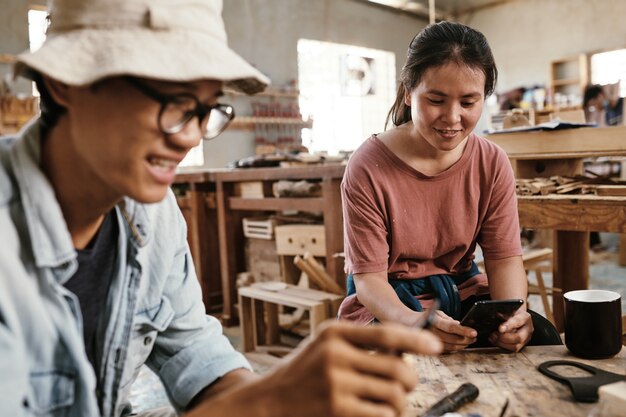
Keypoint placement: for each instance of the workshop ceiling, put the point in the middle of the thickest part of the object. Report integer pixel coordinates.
(445, 9)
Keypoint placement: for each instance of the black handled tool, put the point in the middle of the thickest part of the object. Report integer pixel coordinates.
(464, 394)
(584, 389)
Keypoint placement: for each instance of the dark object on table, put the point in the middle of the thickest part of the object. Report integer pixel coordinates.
(465, 393)
(584, 389)
(485, 316)
(258, 161)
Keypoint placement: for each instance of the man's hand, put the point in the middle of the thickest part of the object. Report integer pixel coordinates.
(514, 333)
(346, 371)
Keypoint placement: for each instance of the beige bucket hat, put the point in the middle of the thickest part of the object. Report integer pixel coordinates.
(170, 40)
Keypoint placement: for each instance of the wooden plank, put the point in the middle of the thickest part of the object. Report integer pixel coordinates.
(329, 283)
(191, 177)
(622, 252)
(333, 227)
(273, 329)
(278, 297)
(258, 318)
(312, 294)
(230, 236)
(247, 324)
(533, 256)
(573, 213)
(276, 204)
(606, 190)
(290, 173)
(566, 143)
(310, 272)
(570, 268)
(317, 315)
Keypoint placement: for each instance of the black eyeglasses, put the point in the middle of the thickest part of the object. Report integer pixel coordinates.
(178, 109)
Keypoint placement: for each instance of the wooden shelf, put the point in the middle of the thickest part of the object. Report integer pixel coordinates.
(230, 210)
(269, 92)
(566, 81)
(247, 122)
(569, 76)
(277, 204)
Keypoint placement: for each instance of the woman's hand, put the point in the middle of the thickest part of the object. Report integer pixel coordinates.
(454, 336)
(514, 333)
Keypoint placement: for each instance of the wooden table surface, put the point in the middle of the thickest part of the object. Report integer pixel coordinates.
(500, 375)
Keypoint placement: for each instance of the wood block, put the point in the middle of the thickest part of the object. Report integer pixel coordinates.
(249, 189)
(298, 239)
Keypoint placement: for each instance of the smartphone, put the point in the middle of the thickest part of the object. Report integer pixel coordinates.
(486, 316)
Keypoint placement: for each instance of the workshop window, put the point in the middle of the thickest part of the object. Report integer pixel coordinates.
(609, 68)
(346, 90)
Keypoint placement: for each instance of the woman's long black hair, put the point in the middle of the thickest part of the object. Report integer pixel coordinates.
(435, 46)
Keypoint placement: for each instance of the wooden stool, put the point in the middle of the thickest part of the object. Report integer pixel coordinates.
(540, 261)
(258, 311)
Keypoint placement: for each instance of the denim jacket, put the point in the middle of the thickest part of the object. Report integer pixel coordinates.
(154, 312)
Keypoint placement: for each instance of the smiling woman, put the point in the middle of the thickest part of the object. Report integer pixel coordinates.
(419, 197)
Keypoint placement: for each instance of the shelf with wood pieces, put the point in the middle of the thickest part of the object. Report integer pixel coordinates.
(230, 210)
(249, 122)
(268, 92)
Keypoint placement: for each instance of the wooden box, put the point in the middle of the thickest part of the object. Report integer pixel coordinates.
(296, 239)
(249, 189)
(258, 228)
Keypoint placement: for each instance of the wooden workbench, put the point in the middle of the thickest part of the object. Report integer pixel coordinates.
(572, 217)
(500, 375)
(230, 210)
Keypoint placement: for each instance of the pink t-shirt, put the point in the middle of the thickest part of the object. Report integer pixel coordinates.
(412, 225)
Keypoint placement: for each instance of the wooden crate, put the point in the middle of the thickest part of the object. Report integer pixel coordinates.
(296, 239)
(258, 228)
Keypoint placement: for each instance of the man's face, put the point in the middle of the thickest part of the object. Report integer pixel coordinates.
(119, 146)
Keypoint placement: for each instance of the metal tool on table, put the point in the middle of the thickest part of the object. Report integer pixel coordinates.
(465, 393)
(584, 389)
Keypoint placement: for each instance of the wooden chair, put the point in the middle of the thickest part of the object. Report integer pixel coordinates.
(540, 261)
(537, 261)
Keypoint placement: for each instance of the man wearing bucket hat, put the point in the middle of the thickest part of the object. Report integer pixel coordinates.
(95, 273)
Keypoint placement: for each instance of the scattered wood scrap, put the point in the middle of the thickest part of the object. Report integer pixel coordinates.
(599, 185)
